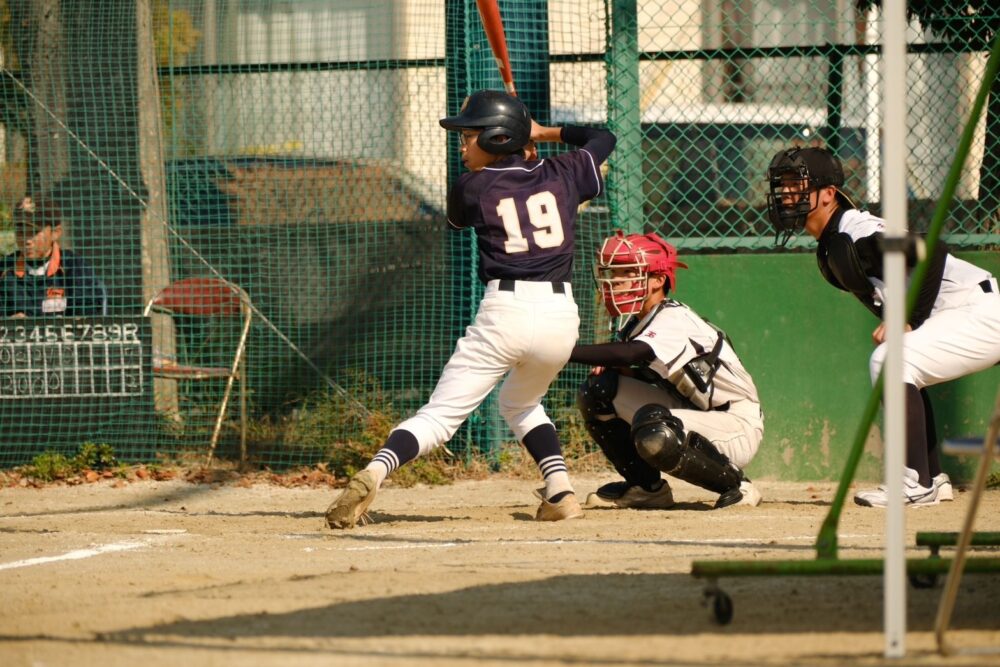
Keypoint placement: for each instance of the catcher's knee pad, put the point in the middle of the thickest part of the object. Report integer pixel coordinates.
(594, 399)
(705, 466)
(596, 396)
(661, 440)
(612, 433)
(658, 436)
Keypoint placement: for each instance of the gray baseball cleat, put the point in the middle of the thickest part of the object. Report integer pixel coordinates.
(566, 508)
(350, 506)
(631, 496)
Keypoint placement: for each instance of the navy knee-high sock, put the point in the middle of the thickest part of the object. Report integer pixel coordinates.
(916, 435)
(542, 443)
(400, 447)
(933, 451)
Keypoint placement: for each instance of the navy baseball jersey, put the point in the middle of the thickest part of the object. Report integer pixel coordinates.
(524, 211)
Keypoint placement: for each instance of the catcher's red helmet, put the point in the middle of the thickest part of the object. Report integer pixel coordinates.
(624, 265)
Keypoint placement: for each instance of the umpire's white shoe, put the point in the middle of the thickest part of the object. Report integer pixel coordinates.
(913, 494)
(623, 494)
(751, 496)
(746, 494)
(944, 489)
(350, 506)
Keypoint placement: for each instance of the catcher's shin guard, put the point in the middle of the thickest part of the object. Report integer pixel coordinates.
(660, 439)
(611, 433)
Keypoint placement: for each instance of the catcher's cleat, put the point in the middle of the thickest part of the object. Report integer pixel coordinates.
(625, 495)
(350, 506)
(566, 507)
(745, 494)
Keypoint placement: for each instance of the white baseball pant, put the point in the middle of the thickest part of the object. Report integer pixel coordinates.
(951, 343)
(526, 333)
(736, 432)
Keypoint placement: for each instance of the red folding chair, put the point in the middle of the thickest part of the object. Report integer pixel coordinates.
(208, 297)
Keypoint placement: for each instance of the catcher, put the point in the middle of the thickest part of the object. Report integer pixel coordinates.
(669, 395)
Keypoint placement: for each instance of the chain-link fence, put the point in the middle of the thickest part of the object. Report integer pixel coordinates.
(291, 148)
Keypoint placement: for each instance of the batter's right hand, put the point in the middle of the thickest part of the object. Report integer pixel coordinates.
(878, 336)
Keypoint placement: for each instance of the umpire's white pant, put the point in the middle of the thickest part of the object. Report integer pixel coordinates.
(951, 343)
(737, 432)
(526, 332)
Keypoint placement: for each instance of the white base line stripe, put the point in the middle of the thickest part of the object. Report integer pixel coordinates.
(75, 555)
(446, 545)
(709, 542)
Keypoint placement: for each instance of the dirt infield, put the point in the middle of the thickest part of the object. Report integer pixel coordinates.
(172, 573)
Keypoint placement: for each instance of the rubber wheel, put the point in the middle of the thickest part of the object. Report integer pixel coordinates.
(923, 580)
(722, 608)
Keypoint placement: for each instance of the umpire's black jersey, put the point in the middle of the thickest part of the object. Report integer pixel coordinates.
(524, 212)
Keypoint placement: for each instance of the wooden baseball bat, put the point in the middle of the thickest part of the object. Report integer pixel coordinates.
(489, 12)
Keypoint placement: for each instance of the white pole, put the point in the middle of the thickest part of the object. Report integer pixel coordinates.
(873, 110)
(894, 211)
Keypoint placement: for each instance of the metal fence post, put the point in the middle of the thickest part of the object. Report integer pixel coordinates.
(624, 117)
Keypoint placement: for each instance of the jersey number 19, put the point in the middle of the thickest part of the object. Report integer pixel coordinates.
(543, 214)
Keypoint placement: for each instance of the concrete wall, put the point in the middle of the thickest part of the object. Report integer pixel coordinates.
(807, 346)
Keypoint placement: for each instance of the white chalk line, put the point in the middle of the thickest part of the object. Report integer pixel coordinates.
(78, 554)
(721, 541)
(164, 534)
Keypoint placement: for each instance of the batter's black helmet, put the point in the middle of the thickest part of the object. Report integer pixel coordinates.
(503, 119)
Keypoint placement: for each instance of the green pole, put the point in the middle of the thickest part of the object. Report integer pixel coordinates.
(460, 80)
(622, 60)
(526, 23)
(471, 67)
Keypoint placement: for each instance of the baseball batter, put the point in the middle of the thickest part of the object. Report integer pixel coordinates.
(954, 329)
(523, 211)
(669, 395)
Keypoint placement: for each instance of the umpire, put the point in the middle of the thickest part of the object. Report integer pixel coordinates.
(954, 329)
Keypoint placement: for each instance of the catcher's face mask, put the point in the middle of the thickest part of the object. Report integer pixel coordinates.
(624, 265)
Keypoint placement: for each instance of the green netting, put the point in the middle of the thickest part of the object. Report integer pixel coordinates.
(291, 148)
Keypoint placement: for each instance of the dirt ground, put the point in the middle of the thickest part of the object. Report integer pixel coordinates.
(173, 573)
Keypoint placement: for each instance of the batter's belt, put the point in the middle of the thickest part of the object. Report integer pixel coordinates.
(508, 285)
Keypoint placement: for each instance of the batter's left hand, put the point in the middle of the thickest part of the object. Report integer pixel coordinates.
(541, 133)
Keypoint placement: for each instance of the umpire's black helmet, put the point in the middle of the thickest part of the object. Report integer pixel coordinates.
(503, 119)
(792, 175)
(819, 165)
